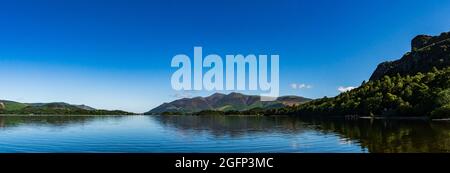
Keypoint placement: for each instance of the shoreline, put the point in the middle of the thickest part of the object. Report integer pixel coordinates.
(363, 117)
(406, 118)
(396, 118)
(441, 119)
(56, 115)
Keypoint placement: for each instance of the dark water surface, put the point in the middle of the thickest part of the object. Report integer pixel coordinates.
(218, 134)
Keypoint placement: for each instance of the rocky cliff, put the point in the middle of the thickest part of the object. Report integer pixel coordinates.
(426, 52)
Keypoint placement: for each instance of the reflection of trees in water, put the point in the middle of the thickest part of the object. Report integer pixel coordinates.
(392, 136)
(14, 121)
(387, 136)
(233, 126)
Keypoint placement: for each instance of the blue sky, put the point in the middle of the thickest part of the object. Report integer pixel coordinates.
(117, 54)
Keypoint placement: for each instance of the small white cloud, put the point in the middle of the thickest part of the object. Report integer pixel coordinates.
(294, 86)
(304, 86)
(300, 86)
(345, 89)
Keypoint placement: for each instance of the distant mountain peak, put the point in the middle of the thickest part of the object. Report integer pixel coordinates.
(235, 93)
(217, 94)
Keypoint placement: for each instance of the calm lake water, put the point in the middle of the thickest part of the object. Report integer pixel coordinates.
(218, 134)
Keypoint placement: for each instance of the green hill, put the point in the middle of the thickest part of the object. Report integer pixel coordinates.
(11, 105)
(57, 108)
(424, 94)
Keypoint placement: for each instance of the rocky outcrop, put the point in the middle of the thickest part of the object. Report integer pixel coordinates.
(420, 41)
(426, 52)
(2, 105)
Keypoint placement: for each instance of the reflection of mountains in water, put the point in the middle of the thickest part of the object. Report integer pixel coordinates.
(233, 126)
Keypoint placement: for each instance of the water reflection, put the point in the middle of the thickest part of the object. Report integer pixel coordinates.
(392, 136)
(220, 134)
(380, 136)
(61, 121)
(233, 126)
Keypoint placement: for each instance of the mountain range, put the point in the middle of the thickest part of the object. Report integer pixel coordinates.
(12, 107)
(417, 84)
(225, 102)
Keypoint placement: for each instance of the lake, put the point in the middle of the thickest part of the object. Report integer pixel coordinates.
(219, 134)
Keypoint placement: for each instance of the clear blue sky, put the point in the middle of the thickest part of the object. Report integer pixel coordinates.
(116, 54)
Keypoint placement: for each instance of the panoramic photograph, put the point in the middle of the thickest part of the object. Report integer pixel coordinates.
(224, 76)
